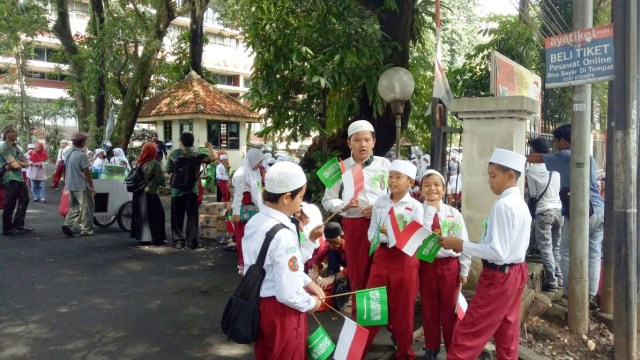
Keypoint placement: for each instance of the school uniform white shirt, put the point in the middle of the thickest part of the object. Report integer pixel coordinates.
(406, 210)
(506, 238)
(376, 177)
(59, 157)
(449, 217)
(285, 278)
(221, 172)
(537, 179)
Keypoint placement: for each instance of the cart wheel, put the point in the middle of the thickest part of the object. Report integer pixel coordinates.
(104, 220)
(124, 216)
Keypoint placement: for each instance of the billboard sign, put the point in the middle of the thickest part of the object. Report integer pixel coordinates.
(580, 57)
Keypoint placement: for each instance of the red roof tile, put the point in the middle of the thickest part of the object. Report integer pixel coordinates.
(193, 95)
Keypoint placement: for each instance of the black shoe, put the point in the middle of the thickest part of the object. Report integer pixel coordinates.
(144, 243)
(430, 354)
(26, 229)
(14, 232)
(160, 243)
(550, 288)
(593, 303)
(67, 230)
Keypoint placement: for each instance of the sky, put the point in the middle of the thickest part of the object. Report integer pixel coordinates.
(502, 7)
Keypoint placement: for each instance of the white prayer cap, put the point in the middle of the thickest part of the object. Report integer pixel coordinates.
(223, 157)
(434, 172)
(98, 152)
(284, 177)
(271, 161)
(359, 125)
(508, 158)
(404, 167)
(31, 146)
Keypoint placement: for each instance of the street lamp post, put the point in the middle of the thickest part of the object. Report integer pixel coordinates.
(395, 86)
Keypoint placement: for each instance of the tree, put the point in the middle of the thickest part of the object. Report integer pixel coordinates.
(27, 20)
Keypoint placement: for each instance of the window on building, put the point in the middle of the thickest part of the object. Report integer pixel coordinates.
(39, 54)
(35, 75)
(247, 82)
(223, 135)
(167, 127)
(186, 125)
(224, 79)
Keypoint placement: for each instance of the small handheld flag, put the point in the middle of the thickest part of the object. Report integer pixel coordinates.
(330, 173)
(352, 341)
(319, 345)
(353, 181)
(411, 238)
(375, 242)
(429, 248)
(461, 306)
(372, 307)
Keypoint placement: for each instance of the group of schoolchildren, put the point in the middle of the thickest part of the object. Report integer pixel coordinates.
(378, 214)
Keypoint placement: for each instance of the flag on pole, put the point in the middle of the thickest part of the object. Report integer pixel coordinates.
(353, 182)
(330, 173)
(461, 306)
(412, 237)
(319, 345)
(352, 341)
(372, 307)
(441, 89)
(429, 248)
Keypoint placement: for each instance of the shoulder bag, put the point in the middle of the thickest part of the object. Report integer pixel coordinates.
(241, 316)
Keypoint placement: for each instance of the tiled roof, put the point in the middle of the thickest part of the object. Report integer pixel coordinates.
(193, 95)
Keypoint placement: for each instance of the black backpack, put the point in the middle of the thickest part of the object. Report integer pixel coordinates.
(186, 170)
(241, 316)
(135, 180)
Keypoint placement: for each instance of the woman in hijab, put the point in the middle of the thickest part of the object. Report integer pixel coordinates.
(247, 196)
(147, 222)
(120, 158)
(36, 172)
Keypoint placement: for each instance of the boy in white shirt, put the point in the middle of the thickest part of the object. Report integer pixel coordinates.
(495, 307)
(391, 267)
(284, 300)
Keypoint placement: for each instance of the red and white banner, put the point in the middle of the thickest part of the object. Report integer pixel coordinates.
(352, 341)
(353, 183)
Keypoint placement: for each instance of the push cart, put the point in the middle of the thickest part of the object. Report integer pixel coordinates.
(113, 203)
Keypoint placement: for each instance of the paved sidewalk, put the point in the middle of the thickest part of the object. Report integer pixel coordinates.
(102, 297)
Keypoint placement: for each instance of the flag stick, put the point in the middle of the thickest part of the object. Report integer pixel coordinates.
(331, 217)
(332, 308)
(318, 321)
(347, 293)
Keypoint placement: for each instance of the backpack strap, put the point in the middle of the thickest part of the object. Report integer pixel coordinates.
(546, 187)
(267, 241)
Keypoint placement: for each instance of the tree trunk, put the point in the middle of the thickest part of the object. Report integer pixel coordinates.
(21, 66)
(196, 39)
(62, 30)
(100, 98)
(141, 79)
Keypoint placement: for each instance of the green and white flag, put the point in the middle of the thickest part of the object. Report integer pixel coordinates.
(330, 173)
(375, 242)
(319, 345)
(429, 248)
(372, 307)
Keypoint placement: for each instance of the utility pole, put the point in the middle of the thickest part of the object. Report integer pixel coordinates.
(623, 131)
(580, 178)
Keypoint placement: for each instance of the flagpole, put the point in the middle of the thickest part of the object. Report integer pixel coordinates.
(332, 308)
(331, 217)
(318, 321)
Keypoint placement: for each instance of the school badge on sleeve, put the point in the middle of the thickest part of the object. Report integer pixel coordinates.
(293, 264)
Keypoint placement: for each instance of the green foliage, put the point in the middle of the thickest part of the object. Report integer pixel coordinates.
(310, 56)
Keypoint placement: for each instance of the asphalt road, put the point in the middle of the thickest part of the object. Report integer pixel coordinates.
(103, 297)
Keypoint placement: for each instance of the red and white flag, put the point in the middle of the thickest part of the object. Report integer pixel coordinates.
(352, 341)
(461, 306)
(353, 183)
(412, 236)
(441, 89)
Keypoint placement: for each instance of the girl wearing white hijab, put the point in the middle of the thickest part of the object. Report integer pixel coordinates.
(247, 196)
(120, 158)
